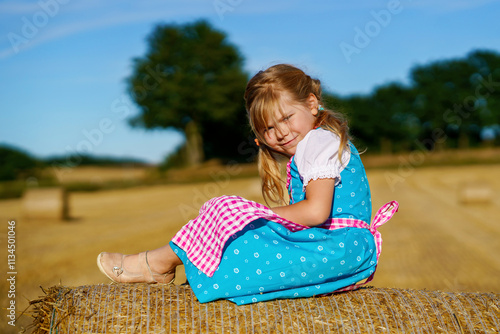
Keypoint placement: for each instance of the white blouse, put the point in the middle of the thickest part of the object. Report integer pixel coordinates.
(316, 157)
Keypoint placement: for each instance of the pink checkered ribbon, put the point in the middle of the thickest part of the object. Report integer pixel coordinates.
(204, 237)
(381, 217)
(288, 174)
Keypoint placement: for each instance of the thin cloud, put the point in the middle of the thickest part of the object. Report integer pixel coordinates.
(53, 31)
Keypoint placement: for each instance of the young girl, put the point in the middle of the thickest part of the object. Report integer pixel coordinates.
(246, 252)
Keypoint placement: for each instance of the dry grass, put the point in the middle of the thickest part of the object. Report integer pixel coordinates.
(434, 242)
(102, 174)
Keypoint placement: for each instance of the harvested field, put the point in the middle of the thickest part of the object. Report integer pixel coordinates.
(434, 242)
(139, 308)
(102, 174)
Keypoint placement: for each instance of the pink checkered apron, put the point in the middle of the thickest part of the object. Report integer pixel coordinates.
(204, 237)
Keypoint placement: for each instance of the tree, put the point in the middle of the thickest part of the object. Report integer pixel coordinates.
(191, 80)
(361, 118)
(15, 163)
(486, 86)
(451, 102)
(396, 123)
(459, 96)
(382, 120)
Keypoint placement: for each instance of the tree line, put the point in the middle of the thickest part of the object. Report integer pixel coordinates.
(20, 164)
(452, 103)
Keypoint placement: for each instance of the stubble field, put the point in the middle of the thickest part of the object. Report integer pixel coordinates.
(434, 242)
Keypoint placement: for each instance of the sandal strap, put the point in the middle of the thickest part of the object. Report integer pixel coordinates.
(149, 268)
(153, 274)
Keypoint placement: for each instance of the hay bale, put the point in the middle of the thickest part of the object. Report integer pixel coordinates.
(46, 203)
(141, 308)
(475, 193)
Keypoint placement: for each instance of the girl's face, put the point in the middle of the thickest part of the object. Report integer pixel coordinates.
(290, 125)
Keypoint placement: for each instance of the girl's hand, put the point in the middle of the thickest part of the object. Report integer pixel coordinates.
(315, 208)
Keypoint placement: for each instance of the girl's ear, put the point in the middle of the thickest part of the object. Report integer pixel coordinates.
(312, 103)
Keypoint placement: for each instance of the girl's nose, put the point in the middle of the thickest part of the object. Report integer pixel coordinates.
(281, 131)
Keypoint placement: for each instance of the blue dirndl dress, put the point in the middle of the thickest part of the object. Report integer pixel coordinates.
(266, 261)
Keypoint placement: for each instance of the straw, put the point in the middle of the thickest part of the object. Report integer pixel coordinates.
(142, 308)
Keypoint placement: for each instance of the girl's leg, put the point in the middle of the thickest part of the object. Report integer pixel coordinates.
(156, 266)
(164, 259)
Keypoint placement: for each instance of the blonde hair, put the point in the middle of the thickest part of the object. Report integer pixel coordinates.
(262, 96)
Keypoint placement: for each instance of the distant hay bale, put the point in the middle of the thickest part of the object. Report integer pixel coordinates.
(141, 308)
(46, 203)
(475, 193)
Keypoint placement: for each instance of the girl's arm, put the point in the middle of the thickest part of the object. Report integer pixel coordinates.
(313, 210)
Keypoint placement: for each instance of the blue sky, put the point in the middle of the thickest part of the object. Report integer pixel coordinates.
(63, 63)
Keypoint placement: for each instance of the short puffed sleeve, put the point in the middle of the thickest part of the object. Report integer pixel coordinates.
(316, 157)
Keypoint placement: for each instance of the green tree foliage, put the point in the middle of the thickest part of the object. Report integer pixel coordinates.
(92, 160)
(15, 163)
(191, 80)
(459, 96)
(448, 103)
(382, 118)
